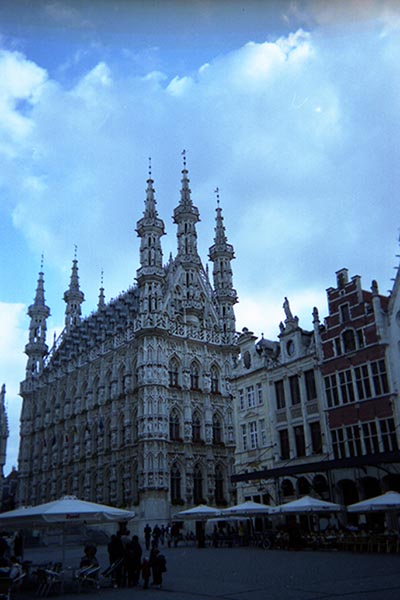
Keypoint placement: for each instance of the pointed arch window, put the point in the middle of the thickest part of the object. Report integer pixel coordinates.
(196, 428)
(173, 373)
(174, 426)
(197, 485)
(217, 430)
(175, 484)
(219, 486)
(214, 380)
(194, 376)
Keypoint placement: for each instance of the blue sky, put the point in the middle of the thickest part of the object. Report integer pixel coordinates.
(291, 109)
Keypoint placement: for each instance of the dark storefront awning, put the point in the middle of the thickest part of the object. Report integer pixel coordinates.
(319, 466)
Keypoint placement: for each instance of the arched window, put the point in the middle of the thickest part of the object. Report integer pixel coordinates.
(175, 483)
(173, 373)
(194, 376)
(174, 426)
(217, 430)
(196, 428)
(197, 485)
(219, 486)
(214, 380)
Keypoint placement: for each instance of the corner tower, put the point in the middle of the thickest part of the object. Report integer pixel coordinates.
(221, 254)
(36, 348)
(150, 275)
(186, 215)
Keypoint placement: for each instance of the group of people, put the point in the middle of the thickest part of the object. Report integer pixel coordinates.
(158, 535)
(128, 565)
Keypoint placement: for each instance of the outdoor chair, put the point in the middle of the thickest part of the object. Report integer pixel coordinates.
(112, 571)
(88, 577)
(50, 579)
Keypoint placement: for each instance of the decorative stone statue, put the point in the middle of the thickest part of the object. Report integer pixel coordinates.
(286, 308)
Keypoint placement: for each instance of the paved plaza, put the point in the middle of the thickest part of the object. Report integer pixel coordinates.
(252, 574)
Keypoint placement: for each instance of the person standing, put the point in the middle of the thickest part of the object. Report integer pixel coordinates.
(147, 536)
(146, 571)
(116, 554)
(19, 546)
(133, 558)
(159, 566)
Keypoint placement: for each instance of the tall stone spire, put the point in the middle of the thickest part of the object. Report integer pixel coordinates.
(73, 298)
(186, 215)
(221, 254)
(150, 276)
(36, 349)
(150, 228)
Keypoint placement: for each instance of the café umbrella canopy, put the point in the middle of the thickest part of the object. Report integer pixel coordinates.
(388, 501)
(308, 504)
(66, 511)
(247, 509)
(201, 512)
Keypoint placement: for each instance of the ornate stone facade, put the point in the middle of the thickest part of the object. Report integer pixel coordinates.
(132, 405)
(3, 435)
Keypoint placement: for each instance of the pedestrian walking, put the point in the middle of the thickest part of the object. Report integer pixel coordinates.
(147, 536)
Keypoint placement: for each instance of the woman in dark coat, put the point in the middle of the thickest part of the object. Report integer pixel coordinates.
(133, 561)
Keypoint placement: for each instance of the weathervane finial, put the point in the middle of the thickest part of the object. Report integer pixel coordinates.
(216, 191)
(184, 158)
(149, 167)
(41, 261)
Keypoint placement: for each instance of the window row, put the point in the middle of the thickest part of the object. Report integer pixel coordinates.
(364, 438)
(175, 376)
(292, 443)
(200, 491)
(349, 341)
(250, 396)
(292, 390)
(357, 383)
(198, 429)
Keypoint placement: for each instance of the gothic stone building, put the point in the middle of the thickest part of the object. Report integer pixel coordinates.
(132, 405)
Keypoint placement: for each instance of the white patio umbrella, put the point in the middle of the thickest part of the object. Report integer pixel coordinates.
(65, 511)
(201, 512)
(384, 502)
(308, 504)
(248, 508)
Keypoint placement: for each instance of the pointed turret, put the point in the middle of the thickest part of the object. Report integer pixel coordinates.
(221, 254)
(150, 276)
(36, 349)
(102, 302)
(150, 229)
(73, 298)
(186, 215)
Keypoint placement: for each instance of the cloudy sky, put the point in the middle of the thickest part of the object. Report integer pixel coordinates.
(290, 108)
